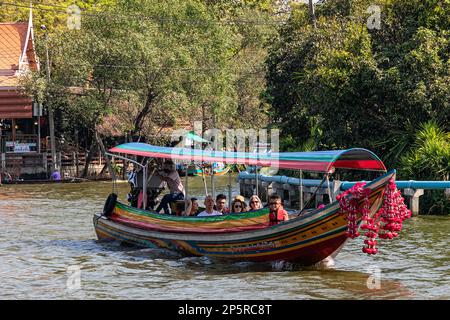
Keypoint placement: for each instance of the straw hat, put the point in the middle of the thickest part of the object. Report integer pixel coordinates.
(240, 198)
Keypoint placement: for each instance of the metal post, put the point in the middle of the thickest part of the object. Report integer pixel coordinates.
(13, 128)
(229, 188)
(3, 160)
(77, 173)
(301, 191)
(328, 189)
(204, 181)
(58, 160)
(144, 186)
(51, 119)
(213, 186)
(39, 130)
(256, 174)
(45, 161)
(186, 191)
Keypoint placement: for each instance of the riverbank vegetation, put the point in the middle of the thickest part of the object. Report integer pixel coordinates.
(371, 74)
(347, 83)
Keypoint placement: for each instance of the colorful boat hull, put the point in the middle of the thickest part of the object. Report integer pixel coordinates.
(305, 240)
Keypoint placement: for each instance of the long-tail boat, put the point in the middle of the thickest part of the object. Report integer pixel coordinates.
(306, 238)
(197, 170)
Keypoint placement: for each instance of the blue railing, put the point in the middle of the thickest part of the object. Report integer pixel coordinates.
(411, 184)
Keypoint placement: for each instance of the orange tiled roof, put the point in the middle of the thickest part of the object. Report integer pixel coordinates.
(13, 44)
(8, 81)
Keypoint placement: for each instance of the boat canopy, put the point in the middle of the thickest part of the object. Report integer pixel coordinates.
(317, 161)
(194, 137)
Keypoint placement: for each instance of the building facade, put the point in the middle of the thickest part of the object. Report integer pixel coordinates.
(22, 125)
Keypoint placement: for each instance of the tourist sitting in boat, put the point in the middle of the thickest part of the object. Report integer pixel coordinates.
(277, 212)
(242, 200)
(131, 175)
(133, 195)
(255, 203)
(209, 211)
(191, 205)
(170, 175)
(221, 201)
(194, 207)
(238, 206)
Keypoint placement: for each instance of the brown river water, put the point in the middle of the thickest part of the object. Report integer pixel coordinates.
(49, 250)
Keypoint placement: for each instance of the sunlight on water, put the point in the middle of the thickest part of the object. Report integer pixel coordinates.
(46, 229)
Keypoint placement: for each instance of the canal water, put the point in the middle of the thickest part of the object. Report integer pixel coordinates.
(49, 250)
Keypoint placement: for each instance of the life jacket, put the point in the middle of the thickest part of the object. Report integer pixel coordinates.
(277, 217)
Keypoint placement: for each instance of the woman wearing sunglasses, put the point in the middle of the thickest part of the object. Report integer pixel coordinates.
(237, 206)
(255, 203)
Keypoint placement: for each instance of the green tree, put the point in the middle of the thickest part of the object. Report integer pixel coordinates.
(51, 13)
(328, 73)
(365, 87)
(429, 159)
(139, 61)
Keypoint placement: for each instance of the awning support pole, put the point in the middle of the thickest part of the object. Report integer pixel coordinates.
(144, 186)
(301, 191)
(144, 171)
(213, 186)
(204, 181)
(328, 189)
(229, 188)
(314, 194)
(186, 191)
(256, 174)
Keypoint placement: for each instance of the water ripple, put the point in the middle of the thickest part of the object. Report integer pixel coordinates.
(47, 229)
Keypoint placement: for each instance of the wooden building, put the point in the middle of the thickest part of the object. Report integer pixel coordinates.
(20, 123)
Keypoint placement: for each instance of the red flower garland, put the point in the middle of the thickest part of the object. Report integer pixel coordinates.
(393, 212)
(389, 217)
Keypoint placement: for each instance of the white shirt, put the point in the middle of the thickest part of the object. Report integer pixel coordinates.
(206, 214)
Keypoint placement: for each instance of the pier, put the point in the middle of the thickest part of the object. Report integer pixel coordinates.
(33, 165)
(295, 192)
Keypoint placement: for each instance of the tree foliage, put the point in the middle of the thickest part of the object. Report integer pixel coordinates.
(364, 87)
(429, 157)
(139, 67)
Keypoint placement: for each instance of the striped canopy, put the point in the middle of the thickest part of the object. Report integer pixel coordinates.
(319, 161)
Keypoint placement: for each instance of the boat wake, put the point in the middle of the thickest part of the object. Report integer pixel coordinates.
(325, 264)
